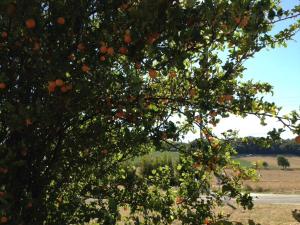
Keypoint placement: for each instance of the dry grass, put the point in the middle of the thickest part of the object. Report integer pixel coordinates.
(277, 181)
(264, 214)
(274, 179)
(261, 214)
(272, 160)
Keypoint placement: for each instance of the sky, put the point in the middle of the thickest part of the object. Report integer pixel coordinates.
(281, 68)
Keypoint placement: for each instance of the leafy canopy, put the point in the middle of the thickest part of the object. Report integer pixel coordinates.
(86, 85)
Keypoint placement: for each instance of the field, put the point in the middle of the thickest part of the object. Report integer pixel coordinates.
(274, 179)
(271, 160)
(261, 214)
(265, 214)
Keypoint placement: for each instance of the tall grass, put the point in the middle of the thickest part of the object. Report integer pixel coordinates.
(153, 161)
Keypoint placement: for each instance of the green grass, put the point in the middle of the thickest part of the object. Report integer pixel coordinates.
(154, 156)
(244, 163)
(174, 156)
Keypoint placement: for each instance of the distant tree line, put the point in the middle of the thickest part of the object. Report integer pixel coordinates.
(250, 145)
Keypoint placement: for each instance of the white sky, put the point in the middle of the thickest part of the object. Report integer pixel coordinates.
(249, 126)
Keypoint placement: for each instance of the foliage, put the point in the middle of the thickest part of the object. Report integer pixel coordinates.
(87, 85)
(149, 164)
(282, 161)
(257, 164)
(265, 164)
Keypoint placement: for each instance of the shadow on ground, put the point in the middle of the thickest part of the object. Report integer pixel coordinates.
(250, 222)
(296, 214)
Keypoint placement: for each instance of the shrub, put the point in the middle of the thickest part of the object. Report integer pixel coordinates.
(154, 162)
(265, 164)
(283, 162)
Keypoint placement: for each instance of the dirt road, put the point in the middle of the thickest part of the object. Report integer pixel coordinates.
(276, 199)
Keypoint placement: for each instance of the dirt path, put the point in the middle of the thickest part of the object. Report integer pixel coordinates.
(261, 198)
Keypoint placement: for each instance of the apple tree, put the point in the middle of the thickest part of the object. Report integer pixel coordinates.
(88, 85)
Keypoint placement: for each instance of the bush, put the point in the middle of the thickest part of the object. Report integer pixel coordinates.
(283, 162)
(153, 162)
(265, 164)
